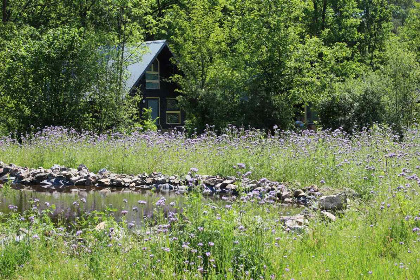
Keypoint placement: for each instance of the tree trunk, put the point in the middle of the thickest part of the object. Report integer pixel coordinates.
(324, 12)
(4, 9)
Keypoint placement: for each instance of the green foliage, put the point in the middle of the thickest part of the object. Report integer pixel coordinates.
(245, 62)
(356, 103)
(389, 95)
(11, 257)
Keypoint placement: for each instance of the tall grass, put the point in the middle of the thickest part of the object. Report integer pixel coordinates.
(377, 237)
(213, 241)
(309, 158)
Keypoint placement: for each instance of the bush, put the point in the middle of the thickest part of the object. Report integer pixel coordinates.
(356, 103)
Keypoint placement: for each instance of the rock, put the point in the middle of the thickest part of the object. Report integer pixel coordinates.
(80, 182)
(160, 180)
(101, 226)
(102, 171)
(294, 223)
(332, 202)
(231, 187)
(104, 182)
(228, 182)
(313, 189)
(298, 193)
(166, 187)
(285, 194)
(74, 179)
(82, 167)
(212, 181)
(328, 215)
(126, 181)
(57, 168)
(40, 177)
(288, 200)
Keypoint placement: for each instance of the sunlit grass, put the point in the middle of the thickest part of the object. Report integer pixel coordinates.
(377, 237)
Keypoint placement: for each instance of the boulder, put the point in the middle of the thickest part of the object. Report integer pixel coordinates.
(40, 177)
(333, 202)
(104, 182)
(328, 216)
(298, 193)
(294, 223)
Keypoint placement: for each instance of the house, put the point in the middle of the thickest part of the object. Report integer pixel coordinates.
(150, 76)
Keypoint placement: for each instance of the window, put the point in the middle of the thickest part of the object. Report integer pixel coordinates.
(154, 104)
(152, 75)
(173, 113)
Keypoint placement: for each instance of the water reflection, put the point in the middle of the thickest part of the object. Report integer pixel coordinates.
(68, 206)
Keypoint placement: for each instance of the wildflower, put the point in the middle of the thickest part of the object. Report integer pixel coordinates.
(124, 212)
(35, 236)
(211, 244)
(416, 229)
(130, 225)
(161, 201)
(141, 202)
(241, 165)
(208, 254)
(125, 200)
(83, 200)
(194, 170)
(79, 232)
(13, 207)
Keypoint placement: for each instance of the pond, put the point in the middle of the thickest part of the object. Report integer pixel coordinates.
(134, 206)
(68, 206)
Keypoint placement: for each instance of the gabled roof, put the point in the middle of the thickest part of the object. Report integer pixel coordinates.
(137, 69)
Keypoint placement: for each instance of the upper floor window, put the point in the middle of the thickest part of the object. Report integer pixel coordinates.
(152, 75)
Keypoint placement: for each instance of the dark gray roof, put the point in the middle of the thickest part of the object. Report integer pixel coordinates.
(146, 55)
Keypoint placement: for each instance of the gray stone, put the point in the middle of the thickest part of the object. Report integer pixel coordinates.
(285, 194)
(231, 187)
(328, 216)
(298, 193)
(288, 200)
(82, 167)
(294, 223)
(332, 202)
(40, 177)
(227, 182)
(104, 182)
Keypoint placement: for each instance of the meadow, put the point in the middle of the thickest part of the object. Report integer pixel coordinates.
(376, 237)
